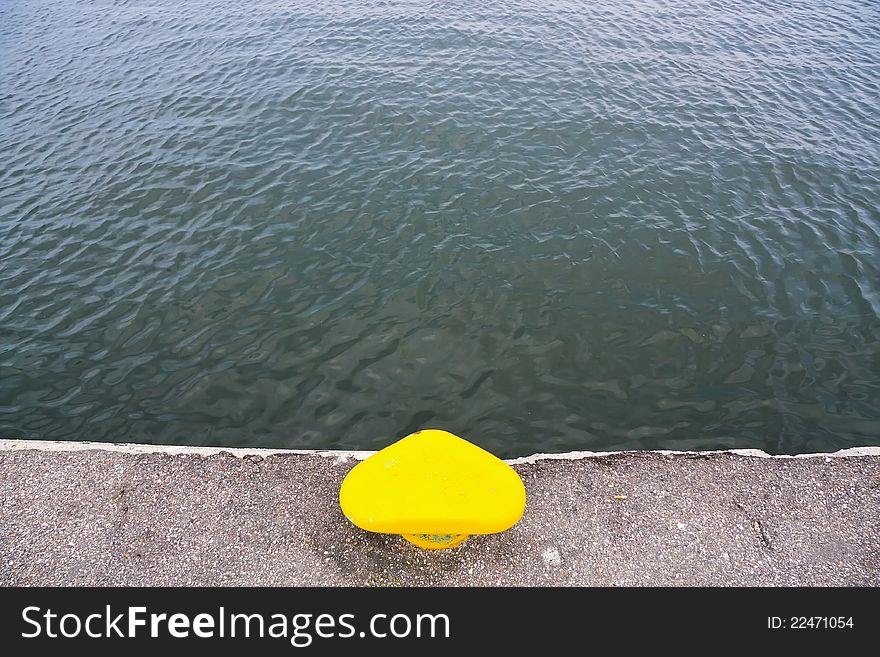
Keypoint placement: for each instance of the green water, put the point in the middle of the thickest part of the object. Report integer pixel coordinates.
(543, 226)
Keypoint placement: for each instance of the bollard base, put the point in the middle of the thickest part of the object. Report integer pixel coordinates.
(435, 541)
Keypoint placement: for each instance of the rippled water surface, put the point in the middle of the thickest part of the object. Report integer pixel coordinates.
(544, 226)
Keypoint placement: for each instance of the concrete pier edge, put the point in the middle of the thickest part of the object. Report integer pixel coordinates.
(143, 448)
(124, 514)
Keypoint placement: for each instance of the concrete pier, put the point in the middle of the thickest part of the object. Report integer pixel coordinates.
(113, 515)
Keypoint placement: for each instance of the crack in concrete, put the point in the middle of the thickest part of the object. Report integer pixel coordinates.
(757, 525)
(762, 533)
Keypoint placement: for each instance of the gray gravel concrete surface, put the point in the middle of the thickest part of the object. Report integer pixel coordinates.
(91, 514)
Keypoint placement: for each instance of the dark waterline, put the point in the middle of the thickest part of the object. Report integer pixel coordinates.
(543, 226)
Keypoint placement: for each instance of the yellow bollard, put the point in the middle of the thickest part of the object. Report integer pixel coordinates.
(433, 488)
